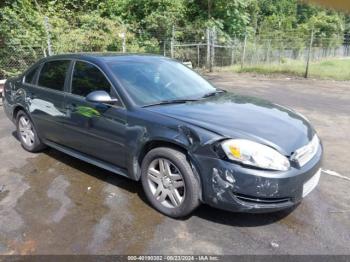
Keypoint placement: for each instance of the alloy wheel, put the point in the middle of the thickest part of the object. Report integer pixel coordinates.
(166, 183)
(26, 131)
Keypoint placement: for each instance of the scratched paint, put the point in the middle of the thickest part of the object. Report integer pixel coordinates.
(220, 184)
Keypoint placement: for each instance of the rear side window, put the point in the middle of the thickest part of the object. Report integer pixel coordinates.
(53, 74)
(88, 78)
(30, 77)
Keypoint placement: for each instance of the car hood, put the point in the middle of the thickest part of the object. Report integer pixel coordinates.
(235, 116)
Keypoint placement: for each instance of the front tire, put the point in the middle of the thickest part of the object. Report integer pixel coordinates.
(169, 182)
(27, 134)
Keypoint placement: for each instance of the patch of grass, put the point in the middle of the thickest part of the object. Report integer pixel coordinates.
(335, 69)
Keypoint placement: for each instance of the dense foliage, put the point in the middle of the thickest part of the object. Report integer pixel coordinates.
(95, 25)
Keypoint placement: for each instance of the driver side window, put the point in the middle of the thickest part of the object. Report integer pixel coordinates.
(88, 78)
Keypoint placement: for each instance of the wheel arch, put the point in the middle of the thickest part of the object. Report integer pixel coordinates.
(148, 146)
(16, 109)
(152, 144)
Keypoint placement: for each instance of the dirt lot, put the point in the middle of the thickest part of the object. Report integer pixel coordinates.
(51, 203)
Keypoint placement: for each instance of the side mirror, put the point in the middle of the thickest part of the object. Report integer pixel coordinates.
(100, 97)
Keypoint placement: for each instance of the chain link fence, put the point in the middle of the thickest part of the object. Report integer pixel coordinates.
(16, 59)
(222, 51)
(206, 49)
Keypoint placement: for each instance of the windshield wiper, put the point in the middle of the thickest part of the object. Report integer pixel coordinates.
(174, 101)
(218, 91)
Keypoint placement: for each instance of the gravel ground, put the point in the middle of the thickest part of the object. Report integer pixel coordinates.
(51, 203)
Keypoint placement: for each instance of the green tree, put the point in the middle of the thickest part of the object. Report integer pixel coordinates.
(22, 36)
(97, 25)
(230, 16)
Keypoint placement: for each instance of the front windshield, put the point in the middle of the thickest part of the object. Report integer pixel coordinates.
(158, 80)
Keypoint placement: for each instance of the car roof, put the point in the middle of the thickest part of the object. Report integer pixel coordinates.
(107, 56)
(104, 57)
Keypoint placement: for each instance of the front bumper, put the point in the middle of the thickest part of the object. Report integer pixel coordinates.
(233, 187)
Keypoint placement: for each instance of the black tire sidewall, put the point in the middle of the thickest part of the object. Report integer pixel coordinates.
(191, 200)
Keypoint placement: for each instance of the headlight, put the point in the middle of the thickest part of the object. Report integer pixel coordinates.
(255, 154)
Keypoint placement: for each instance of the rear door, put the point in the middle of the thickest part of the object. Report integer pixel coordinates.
(45, 95)
(95, 129)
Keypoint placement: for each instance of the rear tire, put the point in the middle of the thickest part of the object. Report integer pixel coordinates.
(27, 134)
(169, 182)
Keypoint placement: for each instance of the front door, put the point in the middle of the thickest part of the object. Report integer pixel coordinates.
(95, 129)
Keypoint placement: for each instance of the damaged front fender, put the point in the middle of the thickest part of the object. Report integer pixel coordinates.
(143, 136)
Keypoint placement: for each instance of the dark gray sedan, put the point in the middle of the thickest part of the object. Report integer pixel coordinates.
(152, 119)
